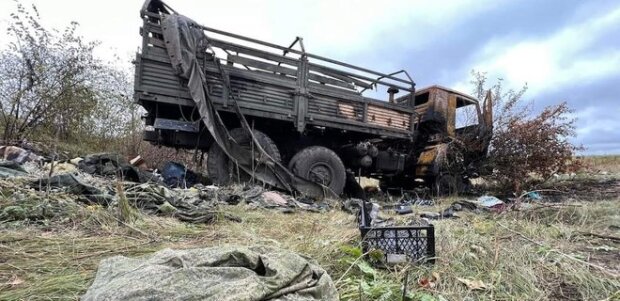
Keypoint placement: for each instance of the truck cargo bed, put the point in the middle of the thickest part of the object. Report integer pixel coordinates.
(270, 85)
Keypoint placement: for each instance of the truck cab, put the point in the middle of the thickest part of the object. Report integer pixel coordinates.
(450, 149)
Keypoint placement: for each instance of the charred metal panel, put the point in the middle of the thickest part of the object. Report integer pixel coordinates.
(451, 115)
(388, 117)
(430, 160)
(170, 124)
(388, 161)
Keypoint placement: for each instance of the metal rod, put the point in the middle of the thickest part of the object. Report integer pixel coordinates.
(240, 37)
(394, 73)
(297, 39)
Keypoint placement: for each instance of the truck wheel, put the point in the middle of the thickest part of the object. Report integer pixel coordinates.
(219, 167)
(320, 165)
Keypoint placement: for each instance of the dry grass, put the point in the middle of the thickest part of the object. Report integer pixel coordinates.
(608, 163)
(537, 254)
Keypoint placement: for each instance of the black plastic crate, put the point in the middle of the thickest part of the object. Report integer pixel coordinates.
(401, 244)
(397, 244)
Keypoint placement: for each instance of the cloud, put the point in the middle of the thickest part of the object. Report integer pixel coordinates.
(552, 62)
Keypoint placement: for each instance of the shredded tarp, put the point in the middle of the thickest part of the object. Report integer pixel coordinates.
(219, 273)
(10, 169)
(184, 39)
(110, 164)
(72, 184)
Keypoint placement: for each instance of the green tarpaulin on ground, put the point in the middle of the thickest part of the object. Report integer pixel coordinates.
(218, 273)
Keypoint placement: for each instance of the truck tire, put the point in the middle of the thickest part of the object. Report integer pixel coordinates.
(219, 167)
(321, 165)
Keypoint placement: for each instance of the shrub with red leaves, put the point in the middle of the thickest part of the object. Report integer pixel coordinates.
(527, 146)
(536, 147)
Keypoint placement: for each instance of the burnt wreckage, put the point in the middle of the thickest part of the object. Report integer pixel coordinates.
(296, 120)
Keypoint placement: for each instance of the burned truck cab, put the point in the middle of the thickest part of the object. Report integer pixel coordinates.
(455, 131)
(453, 135)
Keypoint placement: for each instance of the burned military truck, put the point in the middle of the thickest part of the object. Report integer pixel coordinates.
(289, 118)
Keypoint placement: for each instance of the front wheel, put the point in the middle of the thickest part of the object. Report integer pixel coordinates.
(320, 165)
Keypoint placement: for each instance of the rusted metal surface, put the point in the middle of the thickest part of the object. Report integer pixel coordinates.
(388, 118)
(430, 160)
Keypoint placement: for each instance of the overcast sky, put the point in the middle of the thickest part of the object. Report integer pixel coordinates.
(563, 49)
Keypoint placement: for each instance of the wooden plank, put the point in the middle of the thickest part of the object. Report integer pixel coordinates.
(254, 52)
(156, 42)
(153, 28)
(261, 65)
(257, 76)
(358, 126)
(330, 81)
(152, 15)
(330, 91)
(361, 77)
(155, 97)
(388, 105)
(335, 73)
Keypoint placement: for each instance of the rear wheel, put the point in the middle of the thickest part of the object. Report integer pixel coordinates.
(320, 165)
(220, 168)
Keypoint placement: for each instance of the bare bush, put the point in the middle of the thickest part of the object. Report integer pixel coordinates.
(527, 148)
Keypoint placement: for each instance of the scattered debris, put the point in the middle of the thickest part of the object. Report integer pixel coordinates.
(491, 203)
(488, 201)
(138, 162)
(407, 199)
(473, 284)
(11, 169)
(451, 212)
(274, 198)
(73, 185)
(176, 175)
(218, 273)
(18, 154)
(402, 210)
(113, 165)
(430, 215)
(59, 167)
(534, 196)
(429, 282)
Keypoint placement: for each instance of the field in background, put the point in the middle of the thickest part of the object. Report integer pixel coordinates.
(554, 252)
(607, 163)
